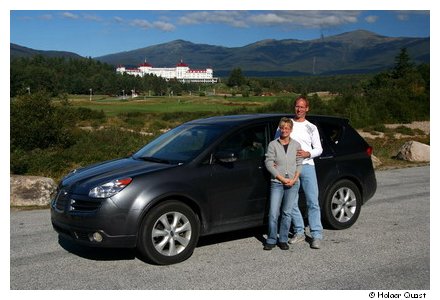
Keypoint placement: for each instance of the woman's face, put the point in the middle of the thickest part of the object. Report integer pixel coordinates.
(285, 129)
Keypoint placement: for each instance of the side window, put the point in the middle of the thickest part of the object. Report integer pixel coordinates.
(248, 143)
(330, 132)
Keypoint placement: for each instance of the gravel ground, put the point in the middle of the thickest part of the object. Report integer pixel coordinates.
(422, 125)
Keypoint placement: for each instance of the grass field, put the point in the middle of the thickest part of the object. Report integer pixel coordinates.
(113, 106)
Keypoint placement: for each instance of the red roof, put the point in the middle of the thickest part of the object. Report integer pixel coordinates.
(145, 64)
(181, 64)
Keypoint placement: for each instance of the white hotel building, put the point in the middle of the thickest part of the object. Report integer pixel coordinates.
(181, 72)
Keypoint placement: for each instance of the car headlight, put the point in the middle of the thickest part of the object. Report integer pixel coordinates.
(109, 189)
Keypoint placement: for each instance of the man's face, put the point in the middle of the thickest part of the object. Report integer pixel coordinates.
(301, 108)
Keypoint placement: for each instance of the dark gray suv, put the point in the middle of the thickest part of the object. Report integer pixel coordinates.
(203, 177)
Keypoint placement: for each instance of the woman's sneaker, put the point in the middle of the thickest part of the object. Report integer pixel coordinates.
(316, 244)
(297, 238)
(283, 246)
(269, 247)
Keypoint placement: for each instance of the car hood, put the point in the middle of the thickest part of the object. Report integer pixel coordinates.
(80, 181)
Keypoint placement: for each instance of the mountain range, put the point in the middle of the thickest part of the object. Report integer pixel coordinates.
(357, 51)
(21, 51)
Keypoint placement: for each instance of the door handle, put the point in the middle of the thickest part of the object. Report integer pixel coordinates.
(326, 157)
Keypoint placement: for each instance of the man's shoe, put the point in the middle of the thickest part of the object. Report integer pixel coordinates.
(268, 246)
(297, 238)
(283, 246)
(316, 244)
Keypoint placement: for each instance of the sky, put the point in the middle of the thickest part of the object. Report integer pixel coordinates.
(100, 32)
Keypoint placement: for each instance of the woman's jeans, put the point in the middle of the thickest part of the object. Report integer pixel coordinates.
(281, 197)
(309, 185)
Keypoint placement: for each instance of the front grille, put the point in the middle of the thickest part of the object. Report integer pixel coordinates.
(61, 200)
(81, 235)
(76, 234)
(64, 202)
(84, 205)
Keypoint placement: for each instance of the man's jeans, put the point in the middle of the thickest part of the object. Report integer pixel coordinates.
(309, 184)
(281, 197)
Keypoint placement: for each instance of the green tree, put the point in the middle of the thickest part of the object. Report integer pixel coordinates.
(402, 64)
(36, 123)
(236, 78)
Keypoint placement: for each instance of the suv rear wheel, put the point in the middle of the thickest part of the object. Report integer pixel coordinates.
(342, 205)
(169, 233)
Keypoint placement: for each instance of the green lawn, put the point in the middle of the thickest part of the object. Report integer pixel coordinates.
(114, 106)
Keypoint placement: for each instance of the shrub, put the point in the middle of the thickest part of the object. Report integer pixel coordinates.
(404, 130)
(91, 147)
(279, 106)
(36, 123)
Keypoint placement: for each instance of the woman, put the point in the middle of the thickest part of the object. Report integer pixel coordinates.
(284, 166)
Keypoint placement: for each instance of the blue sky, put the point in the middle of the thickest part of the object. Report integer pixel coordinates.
(100, 32)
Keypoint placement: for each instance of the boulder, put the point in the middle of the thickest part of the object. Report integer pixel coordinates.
(376, 161)
(414, 151)
(31, 190)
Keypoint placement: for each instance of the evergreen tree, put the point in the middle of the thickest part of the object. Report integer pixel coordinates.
(236, 78)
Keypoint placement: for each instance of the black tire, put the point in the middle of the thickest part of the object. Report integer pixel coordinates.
(168, 233)
(342, 205)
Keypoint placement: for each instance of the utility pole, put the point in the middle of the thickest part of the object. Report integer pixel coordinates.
(314, 63)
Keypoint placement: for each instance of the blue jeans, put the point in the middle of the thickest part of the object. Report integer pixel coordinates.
(309, 184)
(281, 201)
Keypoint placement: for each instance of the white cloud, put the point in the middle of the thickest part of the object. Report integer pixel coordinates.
(118, 19)
(371, 19)
(46, 17)
(160, 25)
(92, 17)
(232, 18)
(402, 17)
(298, 19)
(70, 15)
(144, 24)
(164, 26)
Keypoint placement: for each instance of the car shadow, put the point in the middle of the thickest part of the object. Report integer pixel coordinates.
(109, 254)
(97, 253)
(257, 233)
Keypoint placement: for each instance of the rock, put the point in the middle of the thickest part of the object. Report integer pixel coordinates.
(31, 190)
(376, 161)
(414, 151)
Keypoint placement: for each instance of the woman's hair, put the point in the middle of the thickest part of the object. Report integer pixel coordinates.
(286, 121)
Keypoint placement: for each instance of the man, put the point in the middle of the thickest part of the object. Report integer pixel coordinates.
(307, 135)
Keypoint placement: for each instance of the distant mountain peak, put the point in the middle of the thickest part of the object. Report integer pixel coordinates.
(359, 51)
(356, 35)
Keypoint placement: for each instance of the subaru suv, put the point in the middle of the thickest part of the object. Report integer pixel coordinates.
(204, 177)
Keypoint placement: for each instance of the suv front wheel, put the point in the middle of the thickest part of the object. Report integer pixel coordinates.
(169, 233)
(342, 205)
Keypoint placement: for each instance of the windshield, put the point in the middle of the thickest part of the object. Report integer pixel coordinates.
(179, 145)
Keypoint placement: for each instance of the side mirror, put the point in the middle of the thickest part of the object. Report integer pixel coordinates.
(226, 156)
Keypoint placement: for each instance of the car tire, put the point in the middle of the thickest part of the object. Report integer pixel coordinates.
(168, 233)
(342, 205)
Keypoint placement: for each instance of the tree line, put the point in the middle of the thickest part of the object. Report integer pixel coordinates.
(59, 76)
(398, 95)
(83, 76)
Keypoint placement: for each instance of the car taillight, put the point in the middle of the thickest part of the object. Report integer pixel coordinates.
(369, 151)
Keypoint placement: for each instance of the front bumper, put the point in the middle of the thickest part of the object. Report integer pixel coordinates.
(93, 222)
(87, 236)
